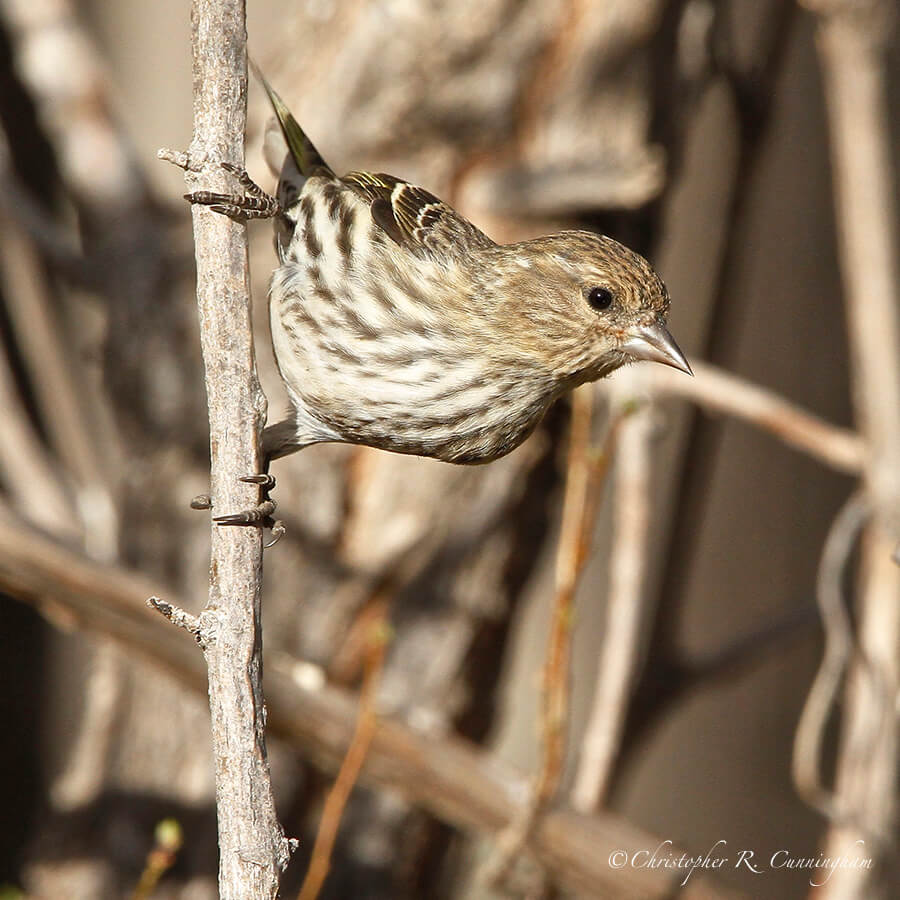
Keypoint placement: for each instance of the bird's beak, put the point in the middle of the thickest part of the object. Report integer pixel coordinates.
(654, 344)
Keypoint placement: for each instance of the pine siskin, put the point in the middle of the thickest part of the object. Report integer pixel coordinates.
(398, 324)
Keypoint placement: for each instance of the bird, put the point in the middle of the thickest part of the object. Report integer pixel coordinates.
(398, 324)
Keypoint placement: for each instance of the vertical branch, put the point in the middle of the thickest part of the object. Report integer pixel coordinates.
(63, 404)
(366, 723)
(851, 43)
(585, 475)
(625, 601)
(571, 555)
(253, 850)
(29, 476)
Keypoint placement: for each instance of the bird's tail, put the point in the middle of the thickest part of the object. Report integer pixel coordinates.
(304, 153)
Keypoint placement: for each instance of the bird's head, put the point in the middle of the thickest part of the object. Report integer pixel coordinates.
(586, 305)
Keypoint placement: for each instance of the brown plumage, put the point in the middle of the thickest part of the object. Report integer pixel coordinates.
(398, 324)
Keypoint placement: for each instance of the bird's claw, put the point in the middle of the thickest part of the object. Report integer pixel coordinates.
(265, 481)
(258, 515)
(261, 514)
(254, 203)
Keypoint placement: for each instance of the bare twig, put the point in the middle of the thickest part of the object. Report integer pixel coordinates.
(454, 780)
(852, 40)
(585, 474)
(71, 411)
(168, 840)
(252, 848)
(751, 93)
(64, 409)
(839, 642)
(719, 391)
(92, 741)
(625, 607)
(677, 677)
(179, 618)
(366, 721)
(571, 555)
(30, 478)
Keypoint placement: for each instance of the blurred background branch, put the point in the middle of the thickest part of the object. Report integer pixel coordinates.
(451, 778)
(697, 132)
(852, 40)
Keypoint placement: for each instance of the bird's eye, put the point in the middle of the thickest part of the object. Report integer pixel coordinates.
(600, 298)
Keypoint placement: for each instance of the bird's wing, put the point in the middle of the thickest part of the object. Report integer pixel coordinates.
(414, 218)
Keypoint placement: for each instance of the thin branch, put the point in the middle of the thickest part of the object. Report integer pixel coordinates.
(168, 838)
(179, 618)
(92, 739)
(839, 645)
(55, 243)
(320, 863)
(852, 40)
(715, 390)
(625, 601)
(571, 555)
(29, 475)
(451, 778)
(677, 677)
(253, 851)
(718, 391)
(585, 474)
(63, 404)
(752, 95)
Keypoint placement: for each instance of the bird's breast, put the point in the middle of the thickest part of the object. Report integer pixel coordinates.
(373, 369)
(384, 348)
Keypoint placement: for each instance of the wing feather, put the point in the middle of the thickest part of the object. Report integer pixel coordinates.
(416, 219)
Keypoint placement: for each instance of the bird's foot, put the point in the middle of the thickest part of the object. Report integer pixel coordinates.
(261, 514)
(254, 203)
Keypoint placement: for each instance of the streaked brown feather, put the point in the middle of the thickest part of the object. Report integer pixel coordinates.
(414, 218)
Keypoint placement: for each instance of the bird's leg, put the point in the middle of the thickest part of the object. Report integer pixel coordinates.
(254, 203)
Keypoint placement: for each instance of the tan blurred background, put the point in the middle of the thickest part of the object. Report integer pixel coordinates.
(694, 131)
